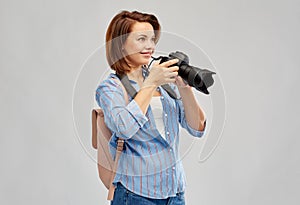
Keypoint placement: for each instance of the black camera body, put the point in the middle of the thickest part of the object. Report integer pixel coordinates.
(198, 78)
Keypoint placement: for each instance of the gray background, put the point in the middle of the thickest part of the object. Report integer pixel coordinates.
(254, 46)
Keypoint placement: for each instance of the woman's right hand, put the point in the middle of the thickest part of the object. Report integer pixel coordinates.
(162, 74)
(159, 74)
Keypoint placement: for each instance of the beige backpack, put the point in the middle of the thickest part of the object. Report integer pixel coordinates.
(101, 135)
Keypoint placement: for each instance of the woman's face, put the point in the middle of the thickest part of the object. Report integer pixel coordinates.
(139, 45)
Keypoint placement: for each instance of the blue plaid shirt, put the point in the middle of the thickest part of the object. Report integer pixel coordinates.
(149, 165)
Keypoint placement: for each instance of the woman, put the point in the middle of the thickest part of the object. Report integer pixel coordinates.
(150, 171)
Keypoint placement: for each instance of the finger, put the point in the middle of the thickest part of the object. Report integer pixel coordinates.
(172, 75)
(169, 62)
(178, 78)
(179, 81)
(173, 68)
(171, 80)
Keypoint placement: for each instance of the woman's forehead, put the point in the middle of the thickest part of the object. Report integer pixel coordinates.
(145, 28)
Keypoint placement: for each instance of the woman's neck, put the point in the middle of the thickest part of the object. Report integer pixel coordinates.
(136, 74)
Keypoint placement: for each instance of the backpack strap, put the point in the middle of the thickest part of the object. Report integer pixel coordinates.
(124, 88)
(129, 88)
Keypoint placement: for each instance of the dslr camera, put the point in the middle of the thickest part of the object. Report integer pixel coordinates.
(201, 79)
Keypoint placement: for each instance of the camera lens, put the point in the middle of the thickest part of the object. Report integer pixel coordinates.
(198, 78)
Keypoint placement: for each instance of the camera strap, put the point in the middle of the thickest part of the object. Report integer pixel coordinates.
(132, 91)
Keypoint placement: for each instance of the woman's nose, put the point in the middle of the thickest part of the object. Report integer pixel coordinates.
(150, 44)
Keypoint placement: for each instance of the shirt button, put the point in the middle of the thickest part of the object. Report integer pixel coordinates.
(166, 115)
(170, 149)
(162, 97)
(173, 168)
(168, 133)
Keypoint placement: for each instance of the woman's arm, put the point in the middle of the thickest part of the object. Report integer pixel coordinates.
(194, 114)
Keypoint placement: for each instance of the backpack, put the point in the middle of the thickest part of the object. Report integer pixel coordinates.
(101, 135)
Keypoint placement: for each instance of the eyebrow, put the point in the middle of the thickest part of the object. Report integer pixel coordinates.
(144, 35)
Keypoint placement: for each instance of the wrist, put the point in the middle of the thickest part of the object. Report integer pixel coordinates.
(148, 86)
(185, 90)
(184, 87)
(147, 83)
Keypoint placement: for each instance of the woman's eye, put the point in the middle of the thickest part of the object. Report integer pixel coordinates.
(141, 39)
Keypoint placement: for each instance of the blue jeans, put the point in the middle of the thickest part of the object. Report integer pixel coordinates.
(122, 196)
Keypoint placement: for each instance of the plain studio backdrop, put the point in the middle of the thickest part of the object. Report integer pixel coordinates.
(46, 97)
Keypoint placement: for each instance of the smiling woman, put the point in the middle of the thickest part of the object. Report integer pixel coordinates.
(150, 170)
(121, 27)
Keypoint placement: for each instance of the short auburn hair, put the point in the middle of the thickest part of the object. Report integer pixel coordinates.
(117, 33)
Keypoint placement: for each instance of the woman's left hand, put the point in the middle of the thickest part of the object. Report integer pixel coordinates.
(180, 82)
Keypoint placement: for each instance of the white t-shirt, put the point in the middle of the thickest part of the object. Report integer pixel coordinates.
(157, 111)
